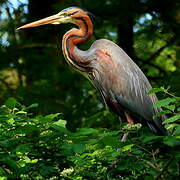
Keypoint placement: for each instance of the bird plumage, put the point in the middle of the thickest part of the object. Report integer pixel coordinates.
(121, 83)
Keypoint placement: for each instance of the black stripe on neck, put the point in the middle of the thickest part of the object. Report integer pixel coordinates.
(85, 23)
(80, 64)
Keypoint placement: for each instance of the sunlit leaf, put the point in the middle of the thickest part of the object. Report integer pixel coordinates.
(21, 112)
(170, 107)
(127, 147)
(61, 123)
(155, 90)
(172, 119)
(164, 102)
(162, 113)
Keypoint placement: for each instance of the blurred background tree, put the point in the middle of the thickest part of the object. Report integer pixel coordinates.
(33, 68)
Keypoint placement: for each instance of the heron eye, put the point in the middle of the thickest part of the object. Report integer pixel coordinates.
(73, 13)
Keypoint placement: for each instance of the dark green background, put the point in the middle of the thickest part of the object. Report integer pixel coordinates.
(33, 69)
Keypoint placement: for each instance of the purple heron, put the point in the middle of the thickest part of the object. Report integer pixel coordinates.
(121, 83)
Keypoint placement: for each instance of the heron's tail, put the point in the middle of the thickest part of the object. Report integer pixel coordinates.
(157, 127)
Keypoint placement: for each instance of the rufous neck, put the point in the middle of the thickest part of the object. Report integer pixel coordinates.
(74, 37)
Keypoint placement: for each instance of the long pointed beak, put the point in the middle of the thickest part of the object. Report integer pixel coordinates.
(55, 19)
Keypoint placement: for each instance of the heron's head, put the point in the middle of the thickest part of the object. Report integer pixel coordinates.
(68, 15)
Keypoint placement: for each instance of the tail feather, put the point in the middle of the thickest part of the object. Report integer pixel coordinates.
(158, 129)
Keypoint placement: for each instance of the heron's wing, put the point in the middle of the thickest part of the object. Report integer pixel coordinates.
(121, 79)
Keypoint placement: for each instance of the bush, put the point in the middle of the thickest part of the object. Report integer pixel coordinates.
(40, 147)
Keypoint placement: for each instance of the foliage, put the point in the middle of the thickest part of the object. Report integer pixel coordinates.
(41, 147)
(32, 61)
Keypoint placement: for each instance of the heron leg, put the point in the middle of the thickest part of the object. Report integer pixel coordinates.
(130, 121)
(124, 137)
(129, 118)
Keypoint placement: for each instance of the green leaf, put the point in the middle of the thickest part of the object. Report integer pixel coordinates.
(178, 109)
(52, 116)
(11, 163)
(46, 170)
(172, 119)
(127, 147)
(170, 107)
(21, 112)
(164, 102)
(11, 103)
(2, 173)
(171, 141)
(150, 138)
(11, 121)
(123, 164)
(23, 148)
(162, 113)
(87, 131)
(67, 149)
(47, 118)
(5, 143)
(155, 90)
(177, 131)
(61, 123)
(79, 148)
(60, 126)
(3, 178)
(32, 106)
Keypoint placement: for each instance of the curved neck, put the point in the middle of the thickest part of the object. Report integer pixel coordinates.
(73, 55)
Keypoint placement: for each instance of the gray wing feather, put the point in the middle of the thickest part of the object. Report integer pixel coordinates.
(123, 80)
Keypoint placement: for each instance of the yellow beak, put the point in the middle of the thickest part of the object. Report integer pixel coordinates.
(55, 19)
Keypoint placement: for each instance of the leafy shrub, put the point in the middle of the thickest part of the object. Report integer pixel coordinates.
(40, 147)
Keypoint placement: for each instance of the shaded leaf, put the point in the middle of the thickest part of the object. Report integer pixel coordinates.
(11, 103)
(87, 131)
(171, 141)
(177, 131)
(23, 148)
(78, 148)
(147, 139)
(32, 106)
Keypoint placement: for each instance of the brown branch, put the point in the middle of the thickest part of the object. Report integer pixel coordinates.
(151, 164)
(147, 162)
